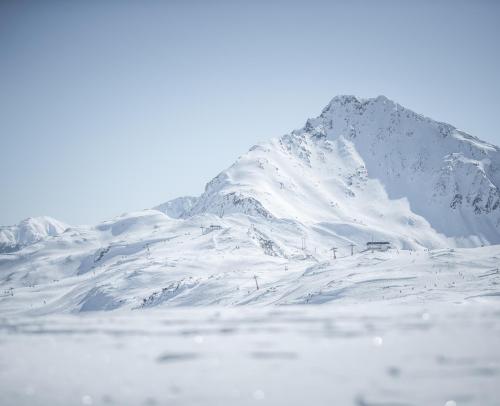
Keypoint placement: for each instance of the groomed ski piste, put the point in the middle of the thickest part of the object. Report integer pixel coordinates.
(264, 289)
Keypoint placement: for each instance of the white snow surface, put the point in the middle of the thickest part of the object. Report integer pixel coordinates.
(281, 356)
(203, 294)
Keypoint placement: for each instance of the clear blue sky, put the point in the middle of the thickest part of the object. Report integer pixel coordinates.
(113, 106)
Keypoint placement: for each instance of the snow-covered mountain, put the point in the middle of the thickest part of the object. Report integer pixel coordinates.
(370, 167)
(264, 229)
(29, 231)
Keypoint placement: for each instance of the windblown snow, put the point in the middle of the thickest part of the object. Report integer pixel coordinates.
(287, 224)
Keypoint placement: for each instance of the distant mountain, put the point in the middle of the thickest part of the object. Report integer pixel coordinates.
(370, 166)
(29, 231)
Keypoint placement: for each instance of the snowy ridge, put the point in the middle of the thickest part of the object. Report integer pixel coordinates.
(177, 208)
(29, 231)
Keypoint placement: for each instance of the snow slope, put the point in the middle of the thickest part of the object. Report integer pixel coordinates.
(146, 259)
(177, 208)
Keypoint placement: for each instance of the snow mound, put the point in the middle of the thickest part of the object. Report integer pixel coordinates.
(29, 231)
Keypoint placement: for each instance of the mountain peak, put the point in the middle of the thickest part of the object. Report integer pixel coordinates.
(353, 105)
(344, 99)
(441, 182)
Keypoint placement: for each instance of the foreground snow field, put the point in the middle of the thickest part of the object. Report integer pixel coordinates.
(379, 354)
(398, 328)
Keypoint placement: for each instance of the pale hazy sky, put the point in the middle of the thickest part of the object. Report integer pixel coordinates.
(113, 106)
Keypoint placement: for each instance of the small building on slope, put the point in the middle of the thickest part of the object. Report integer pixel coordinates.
(378, 245)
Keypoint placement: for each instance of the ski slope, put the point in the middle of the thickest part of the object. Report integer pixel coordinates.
(147, 259)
